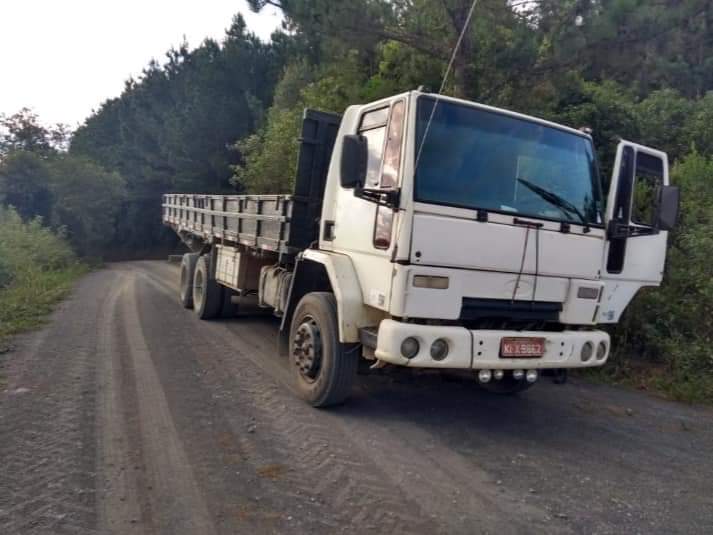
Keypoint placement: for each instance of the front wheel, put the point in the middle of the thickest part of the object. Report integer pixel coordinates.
(325, 369)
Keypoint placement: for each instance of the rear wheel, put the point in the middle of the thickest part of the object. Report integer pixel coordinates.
(508, 385)
(207, 294)
(188, 268)
(325, 368)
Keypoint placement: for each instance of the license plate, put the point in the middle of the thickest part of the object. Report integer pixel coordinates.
(522, 347)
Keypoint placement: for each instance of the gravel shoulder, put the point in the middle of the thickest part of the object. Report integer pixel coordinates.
(126, 414)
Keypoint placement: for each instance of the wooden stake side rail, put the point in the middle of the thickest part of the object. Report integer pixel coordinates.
(259, 221)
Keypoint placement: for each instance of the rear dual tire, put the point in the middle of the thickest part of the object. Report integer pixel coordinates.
(188, 269)
(207, 293)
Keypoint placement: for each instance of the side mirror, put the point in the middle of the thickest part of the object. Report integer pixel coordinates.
(352, 173)
(668, 207)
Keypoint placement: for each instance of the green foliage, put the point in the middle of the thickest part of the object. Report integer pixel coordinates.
(24, 183)
(87, 202)
(64, 191)
(606, 108)
(172, 129)
(37, 267)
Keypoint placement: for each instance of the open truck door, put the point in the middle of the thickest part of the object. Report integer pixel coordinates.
(641, 208)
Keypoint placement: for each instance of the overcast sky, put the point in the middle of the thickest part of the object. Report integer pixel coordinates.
(63, 58)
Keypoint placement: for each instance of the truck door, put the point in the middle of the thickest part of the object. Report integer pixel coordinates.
(635, 251)
(364, 226)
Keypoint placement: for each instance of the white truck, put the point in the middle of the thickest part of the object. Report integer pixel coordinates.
(427, 231)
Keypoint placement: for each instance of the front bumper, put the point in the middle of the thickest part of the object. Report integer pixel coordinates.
(480, 349)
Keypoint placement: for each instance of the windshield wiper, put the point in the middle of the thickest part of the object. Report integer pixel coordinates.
(556, 200)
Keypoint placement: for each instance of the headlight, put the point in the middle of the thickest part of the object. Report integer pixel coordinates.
(601, 350)
(410, 347)
(439, 349)
(587, 351)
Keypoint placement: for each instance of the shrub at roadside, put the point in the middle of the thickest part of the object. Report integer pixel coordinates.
(37, 268)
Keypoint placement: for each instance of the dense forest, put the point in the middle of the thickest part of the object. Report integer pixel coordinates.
(225, 116)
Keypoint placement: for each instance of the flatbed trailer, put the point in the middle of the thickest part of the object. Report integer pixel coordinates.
(281, 224)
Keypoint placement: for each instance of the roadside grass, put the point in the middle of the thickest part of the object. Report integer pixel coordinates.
(657, 379)
(32, 295)
(37, 269)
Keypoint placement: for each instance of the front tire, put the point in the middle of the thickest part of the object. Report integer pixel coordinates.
(325, 369)
(207, 294)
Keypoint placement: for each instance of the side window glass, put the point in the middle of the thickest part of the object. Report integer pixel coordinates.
(648, 180)
(373, 128)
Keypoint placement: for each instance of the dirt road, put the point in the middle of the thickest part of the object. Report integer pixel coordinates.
(127, 415)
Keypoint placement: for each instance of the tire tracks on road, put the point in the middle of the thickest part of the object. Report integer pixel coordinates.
(176, 502)
(380, 481)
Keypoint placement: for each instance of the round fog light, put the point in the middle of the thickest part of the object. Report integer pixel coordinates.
(518, 374)
(484, 376)
(439, 349)
(410, 347)
(601, 350)
(531, 376)
(498, 375)
(587, 351)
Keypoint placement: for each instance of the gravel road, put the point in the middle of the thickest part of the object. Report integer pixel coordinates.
(128, 415)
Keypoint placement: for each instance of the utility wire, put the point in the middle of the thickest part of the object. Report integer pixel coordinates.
(445, 78)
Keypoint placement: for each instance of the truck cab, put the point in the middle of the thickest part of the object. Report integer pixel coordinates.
(488, 232)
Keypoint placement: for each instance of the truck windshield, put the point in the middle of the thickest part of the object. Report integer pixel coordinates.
(480, 159)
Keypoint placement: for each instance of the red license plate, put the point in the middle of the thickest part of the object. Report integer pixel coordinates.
(522, 347)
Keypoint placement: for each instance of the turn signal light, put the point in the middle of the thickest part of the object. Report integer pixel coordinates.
(434, 283)
(585, 292)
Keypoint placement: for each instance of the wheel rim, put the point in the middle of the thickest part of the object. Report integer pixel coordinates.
(199, 286)
(307, 349)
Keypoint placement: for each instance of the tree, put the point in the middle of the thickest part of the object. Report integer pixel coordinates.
(174, 127)
(87, 202)
(24, 183)
(23, 131)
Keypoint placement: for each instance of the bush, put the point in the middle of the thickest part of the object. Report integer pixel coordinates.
(37, 267)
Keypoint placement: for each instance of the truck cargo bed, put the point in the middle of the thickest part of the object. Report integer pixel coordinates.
(269, 222)
(285, 224)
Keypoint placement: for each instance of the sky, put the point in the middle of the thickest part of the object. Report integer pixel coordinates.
(63, 58)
